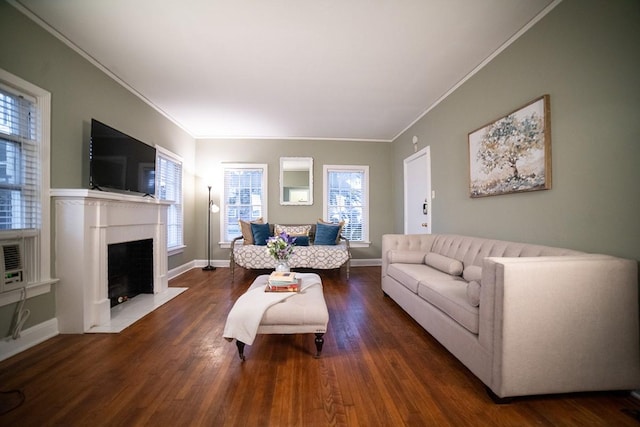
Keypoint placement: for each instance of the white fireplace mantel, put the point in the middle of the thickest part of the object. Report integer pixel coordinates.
(86, 221)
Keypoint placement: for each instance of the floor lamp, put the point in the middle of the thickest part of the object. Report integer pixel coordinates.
(211, 207)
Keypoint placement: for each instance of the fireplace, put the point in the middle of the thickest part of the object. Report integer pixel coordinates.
(89, 228)
(130, 270)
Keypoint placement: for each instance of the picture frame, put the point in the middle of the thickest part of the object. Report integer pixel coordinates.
(513, 153)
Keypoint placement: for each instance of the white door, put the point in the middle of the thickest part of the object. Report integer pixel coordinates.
(417, 193)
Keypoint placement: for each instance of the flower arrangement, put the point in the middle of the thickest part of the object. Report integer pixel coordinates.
(280, 247)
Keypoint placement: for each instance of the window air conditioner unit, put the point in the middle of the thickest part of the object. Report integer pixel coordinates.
(11, 266)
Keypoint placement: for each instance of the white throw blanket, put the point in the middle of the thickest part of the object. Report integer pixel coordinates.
(245, 315)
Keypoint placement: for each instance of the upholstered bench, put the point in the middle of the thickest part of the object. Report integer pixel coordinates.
(303, 312)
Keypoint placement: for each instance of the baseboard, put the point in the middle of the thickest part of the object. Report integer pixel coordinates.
(28, 338)
(366, 262)
(175, 272)
(636, 394)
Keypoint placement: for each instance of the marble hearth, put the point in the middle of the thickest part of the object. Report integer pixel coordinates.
(86, 222)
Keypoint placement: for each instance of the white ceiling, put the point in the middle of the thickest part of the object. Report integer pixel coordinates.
(334, 69)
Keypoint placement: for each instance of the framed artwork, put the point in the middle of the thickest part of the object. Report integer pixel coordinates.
(512, 154)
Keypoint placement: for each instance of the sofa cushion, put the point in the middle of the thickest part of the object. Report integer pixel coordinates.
(450, 296)
(409, 275)
(318, 257)
(260, 233)
(292, 230)
(445, 264)
(473, 293)
(406, 257)
(472, 272)
(326, 234)
(245, 228)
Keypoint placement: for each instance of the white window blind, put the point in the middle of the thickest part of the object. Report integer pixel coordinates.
(169, 187)
(245, 196)
(19, 162)
(347, 199)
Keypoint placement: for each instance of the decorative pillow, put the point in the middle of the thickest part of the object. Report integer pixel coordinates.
(341, 224)
(326, 234)
(443, 263)
(406, 257)
(302, 240)
(292, 230)
(473, 293)
(260, 233)
(472, 272)
(245, 227)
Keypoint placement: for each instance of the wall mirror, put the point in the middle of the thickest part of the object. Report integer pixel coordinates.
(296, 180)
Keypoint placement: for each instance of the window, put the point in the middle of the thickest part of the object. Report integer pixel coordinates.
(244, 196)
(169, 187)
(24, 175)
(346, 198)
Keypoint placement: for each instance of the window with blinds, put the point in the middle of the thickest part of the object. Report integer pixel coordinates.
(346, 198)
(245, 196)
(19, 162)
(169, 187)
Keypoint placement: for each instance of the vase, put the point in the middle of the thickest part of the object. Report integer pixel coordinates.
(282, 265)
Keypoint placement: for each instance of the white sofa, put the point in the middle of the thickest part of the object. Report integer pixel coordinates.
(525, 319)
(317, 257)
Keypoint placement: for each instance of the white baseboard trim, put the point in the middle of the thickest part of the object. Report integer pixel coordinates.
(28, 338)
(175, 272)
(366, 262)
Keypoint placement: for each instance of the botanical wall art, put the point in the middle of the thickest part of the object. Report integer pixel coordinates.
(513, 153)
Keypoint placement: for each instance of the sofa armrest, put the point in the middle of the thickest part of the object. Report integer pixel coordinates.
(565, 323)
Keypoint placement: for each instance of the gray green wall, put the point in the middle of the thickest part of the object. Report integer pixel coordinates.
(586, 55)
(210, 153)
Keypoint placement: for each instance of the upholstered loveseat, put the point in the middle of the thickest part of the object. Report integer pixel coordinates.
(525, 319)
(307, 253)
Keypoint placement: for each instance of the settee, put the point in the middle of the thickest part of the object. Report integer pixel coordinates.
(525, 319)
(307, 253)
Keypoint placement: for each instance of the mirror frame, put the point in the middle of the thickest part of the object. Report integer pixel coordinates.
(299, 160)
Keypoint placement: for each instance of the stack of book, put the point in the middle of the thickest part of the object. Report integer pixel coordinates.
(282, 281)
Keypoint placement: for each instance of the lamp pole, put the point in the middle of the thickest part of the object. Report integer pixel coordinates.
(209, 267)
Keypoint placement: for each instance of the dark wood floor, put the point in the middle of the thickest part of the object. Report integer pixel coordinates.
(173, 368)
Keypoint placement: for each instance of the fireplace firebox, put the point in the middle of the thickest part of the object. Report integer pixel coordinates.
(130, 270)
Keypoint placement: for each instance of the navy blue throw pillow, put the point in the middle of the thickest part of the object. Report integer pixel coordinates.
(302, 240)
(260, 233)
(326, 234)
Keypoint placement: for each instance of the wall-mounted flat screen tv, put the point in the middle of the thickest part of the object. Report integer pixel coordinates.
(119, 162)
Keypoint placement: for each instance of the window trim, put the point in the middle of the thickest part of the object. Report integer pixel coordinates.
(365, 212)
(41, 272)
(265, 194)
(161, 151)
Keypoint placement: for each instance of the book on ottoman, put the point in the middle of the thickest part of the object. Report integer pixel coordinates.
(282, 281)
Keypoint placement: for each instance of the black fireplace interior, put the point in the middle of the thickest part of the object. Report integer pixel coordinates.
(130, 270)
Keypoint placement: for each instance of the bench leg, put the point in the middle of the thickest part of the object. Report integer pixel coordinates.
(319, 343)
(240, 346)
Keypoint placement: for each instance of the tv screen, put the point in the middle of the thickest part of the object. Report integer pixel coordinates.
(120, 162)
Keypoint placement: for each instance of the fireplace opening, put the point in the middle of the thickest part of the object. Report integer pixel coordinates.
(130, 270)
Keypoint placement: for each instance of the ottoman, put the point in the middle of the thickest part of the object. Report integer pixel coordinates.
(303, 312)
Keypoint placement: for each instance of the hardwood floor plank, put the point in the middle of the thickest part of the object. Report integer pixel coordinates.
(173, 368)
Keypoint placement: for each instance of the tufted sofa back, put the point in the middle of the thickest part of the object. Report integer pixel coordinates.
(469, 250)
(473, 250)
